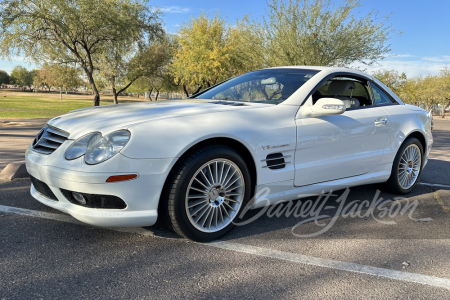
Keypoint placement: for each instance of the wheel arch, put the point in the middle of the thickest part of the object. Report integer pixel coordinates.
(225, 141)
(421, 137)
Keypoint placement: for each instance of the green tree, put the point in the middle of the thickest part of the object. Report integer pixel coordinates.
(76, 31)
(428, 92)
(154, 83)
(207, 52)
(65, 77)
(57, 76)
(44, 77)
(409, 92)
(444, 87)
(160, 79)
(4, 78)
(22, 77)
(391, 78)
(120, 67)
(317, 32)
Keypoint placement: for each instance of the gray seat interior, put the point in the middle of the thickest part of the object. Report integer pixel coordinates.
(338, 88)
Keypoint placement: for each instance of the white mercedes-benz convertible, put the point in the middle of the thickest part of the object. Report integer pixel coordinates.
(197, 162)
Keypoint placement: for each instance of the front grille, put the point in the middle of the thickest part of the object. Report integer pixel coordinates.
(49, 139)
(43, 188)
(96, 201)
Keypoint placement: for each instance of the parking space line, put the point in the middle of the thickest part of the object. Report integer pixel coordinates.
(38, 214)
(434, 184)
(264, 252)
(67, 219)
(335, 264)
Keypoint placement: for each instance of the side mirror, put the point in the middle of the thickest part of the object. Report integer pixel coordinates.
(328, 107)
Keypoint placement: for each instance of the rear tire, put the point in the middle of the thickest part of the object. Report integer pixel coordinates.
(406, 168)
(206, 193)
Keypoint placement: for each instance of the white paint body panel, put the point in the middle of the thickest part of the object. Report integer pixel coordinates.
(338, 146)
(328, 152)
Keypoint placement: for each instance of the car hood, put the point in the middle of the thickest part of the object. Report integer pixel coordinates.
(113, 117)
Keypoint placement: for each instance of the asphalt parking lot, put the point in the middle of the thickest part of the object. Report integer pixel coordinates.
(45, 254)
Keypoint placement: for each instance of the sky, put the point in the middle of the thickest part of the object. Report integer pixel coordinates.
(423, 47)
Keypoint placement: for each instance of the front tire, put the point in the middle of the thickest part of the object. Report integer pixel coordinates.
(406, 168)
(206, 192)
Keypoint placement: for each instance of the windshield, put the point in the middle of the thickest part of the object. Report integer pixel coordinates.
(271, 86)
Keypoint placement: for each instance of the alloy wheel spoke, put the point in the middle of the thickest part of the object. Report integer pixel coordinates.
(216, 215)
(225, 184)
(206, 178)
(206, 216)
(409, 166)
(226, 174)
(198, 190)
(229, 185)
(212, 175)
(229, 206)
(221, 214)
(215, 195)
(232, 200)
(197, 197)
(226, 212)
(196, 179)
(212, 217)
(198, 202)
(197, 210)
(232, 189)
(216, 179)
(221, 173)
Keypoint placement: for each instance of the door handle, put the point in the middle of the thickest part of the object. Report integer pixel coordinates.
(380, 122)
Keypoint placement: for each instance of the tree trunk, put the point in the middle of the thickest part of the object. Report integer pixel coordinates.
(185, 90)
(94, 88)
(157, 94)
(198, 90)
(445, 107)
(115, 95)
(60, 93)
(113, 84)
(150, 94)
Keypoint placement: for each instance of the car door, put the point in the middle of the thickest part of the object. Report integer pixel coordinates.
(339, 146)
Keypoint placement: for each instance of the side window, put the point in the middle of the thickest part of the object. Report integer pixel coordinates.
(353, 91)
(379, 96)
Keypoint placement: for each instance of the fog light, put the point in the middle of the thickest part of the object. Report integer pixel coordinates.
(80, 198)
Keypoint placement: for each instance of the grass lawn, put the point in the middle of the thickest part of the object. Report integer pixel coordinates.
(27, 105)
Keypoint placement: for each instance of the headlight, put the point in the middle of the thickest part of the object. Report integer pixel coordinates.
(80, 146)
(106, 147)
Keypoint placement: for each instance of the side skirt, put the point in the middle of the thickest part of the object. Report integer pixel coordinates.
(285, 191)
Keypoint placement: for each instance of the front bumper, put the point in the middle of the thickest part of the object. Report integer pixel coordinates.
(141, 194)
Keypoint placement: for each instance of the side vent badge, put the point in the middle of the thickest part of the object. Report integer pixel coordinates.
(276, 161)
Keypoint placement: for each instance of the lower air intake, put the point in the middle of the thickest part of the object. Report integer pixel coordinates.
(43, 189)
(95, 201)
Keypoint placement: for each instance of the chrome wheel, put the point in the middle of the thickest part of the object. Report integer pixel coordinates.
(214, 195)
(409, 166)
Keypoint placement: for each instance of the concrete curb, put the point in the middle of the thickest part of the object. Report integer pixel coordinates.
(14, 170)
